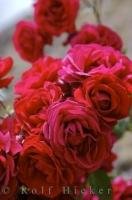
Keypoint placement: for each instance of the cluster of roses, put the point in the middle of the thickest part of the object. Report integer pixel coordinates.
(52, 18)
(65, 112)
(62, 127)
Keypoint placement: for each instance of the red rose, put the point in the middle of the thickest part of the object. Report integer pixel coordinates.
(28, 41)
(122, 189)
(73, 131)
(5, 67)
(99, 34)
(107, 94)
(45, 69)
(108, 37)
(38, 167)
(88, 34)
(7, 177)
(57, 16)
(12, 189)
(10, 123)
(31, 108)
(82, 59)
(108, 163)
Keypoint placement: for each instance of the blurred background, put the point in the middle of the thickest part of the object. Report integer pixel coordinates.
(114, 13)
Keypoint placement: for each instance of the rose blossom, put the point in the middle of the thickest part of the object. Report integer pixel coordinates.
(12, 192)
(88, 34)
(9, 148)
(88, 196)
(99, 34)
(56, 16)
(82, 59)
(7, 175)
(108, 37)
(45, 69)
(31, 108)
(8, 143)
(39, 167)
(28, 41)
(108, 163)
(5, 67)
(122, 189)
(10, 124)
(107, 93)
(73, 131)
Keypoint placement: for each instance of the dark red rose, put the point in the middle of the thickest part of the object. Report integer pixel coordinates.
(57, 16)
(7, 177)
(31, 108)
(74, 132)
(108, 37)
(28, 41)
(9, 192)
(122, 189)
(106, 93)
(38, 167)
(5, 67)
(99, 34)
(112, 156)
(88, 34)
(45, 69)
(108, 163)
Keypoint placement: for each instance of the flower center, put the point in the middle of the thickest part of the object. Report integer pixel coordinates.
(101, 100)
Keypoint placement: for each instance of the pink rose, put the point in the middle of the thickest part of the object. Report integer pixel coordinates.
(9, 144)
(10, 124)
(82, 59)
(88, 195)
(122, 189)
(73, 131)
(9, 148)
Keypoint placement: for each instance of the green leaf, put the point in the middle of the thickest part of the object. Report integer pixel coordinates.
(121, 127)
(101, 185)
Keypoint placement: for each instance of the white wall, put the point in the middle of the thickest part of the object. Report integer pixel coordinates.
(12, 10)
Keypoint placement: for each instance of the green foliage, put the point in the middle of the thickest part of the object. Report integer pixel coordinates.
(101, 184)
(121, 127)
